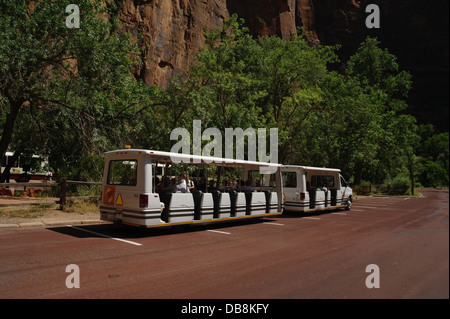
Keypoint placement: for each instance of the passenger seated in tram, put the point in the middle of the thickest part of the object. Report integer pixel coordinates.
(201, 186)
(172, 185)
(189, 183)
(211, 185)
(246, 187)
(181, 185)
(163, 184)
(235, 185)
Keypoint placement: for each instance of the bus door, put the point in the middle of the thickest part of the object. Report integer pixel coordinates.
(120, 190)
(293, 194)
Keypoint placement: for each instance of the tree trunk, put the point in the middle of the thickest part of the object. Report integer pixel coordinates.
(4, 177)
(411, 171)
(8, 128)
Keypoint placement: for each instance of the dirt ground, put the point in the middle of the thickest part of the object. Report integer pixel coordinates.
(17, 210)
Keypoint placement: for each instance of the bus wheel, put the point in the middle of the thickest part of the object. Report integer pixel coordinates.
(349, 204)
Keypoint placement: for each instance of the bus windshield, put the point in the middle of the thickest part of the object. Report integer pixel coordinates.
(122, 172)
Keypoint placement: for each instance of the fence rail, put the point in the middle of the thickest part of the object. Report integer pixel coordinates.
(43, 184)
(63, 184)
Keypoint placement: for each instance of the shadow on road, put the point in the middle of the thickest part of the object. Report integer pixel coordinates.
(311, 214)
(130, 232)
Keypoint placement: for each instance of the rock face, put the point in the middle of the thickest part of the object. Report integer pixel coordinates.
(415, 31)
(171, 31)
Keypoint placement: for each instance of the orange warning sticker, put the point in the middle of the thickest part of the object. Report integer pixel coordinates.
(108, 195)
(119, 200)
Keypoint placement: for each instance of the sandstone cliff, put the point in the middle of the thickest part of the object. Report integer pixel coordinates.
(416, 31)
(173, 30)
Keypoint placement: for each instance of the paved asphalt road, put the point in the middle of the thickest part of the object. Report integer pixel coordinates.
(302, 257)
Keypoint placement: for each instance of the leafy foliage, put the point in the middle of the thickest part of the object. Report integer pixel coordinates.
(65, 93)
(70, 94)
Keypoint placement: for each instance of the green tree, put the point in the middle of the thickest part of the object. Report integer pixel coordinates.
(223, 75)
(292, 73)
(64, 91)
(434, 152)
(265, 82)
(384, 88)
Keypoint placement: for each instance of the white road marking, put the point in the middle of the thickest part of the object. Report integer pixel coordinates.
(218, 231)
(357, 210)
(311, 217)
(376, 207)
(339, 213)
(376, 204)
(106, 236)
(273, 224)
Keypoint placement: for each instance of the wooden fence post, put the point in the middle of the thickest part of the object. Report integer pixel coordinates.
(63, 195)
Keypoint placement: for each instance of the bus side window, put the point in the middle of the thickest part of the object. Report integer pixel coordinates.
(330, 183)
(289, 179)
(314, 181)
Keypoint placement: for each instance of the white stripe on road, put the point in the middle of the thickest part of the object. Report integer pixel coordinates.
(375, 204)
(375, 207)
(311, 217)
(218, 231)
(273, 224)
(338, 213)
(106, 236)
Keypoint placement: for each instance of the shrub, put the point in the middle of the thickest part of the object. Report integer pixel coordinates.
(433, 175)
(399, 185)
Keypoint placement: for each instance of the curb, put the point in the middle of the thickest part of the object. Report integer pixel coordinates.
(51, 223)
(9, 226)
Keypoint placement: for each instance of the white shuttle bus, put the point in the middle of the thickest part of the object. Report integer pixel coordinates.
(134, 194)
(309, 189)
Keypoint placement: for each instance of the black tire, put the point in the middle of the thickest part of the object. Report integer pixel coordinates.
(349, 204)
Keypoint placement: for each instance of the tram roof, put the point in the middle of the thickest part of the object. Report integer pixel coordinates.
(192, 159)
(312, 168)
